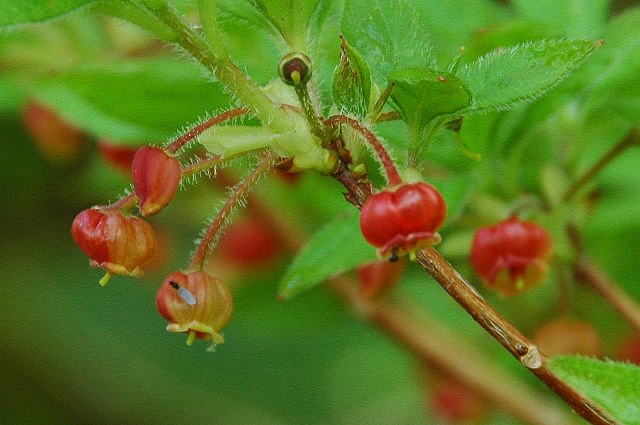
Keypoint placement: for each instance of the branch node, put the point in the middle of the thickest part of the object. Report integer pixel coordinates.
(532, 359)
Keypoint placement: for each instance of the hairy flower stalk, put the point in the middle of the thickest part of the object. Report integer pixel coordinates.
(217, 224)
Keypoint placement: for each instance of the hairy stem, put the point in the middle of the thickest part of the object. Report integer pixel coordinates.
(632, 139)
(239, 192)
(309, 111)
(177, 144)
(227, 72)
(208, 18)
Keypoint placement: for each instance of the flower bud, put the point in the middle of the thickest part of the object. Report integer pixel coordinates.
(195, 303)
(403, 219)
(156, 177)
(114, 242)
(295, 69)
(511, 256)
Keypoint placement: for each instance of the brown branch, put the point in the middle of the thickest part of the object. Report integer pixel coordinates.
(608, 289)
(506, 334)
(593, 276)
(440, 347)
(482, 312)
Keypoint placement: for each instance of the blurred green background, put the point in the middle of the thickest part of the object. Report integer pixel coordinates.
(72, 352)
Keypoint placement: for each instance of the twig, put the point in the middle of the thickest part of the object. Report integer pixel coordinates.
(593, 276)
(440, 347)
(430, 341)
(608, 289)
(632, 138)
(497, 326)
(506, 334)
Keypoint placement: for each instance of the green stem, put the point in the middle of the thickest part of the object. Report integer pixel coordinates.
(208, 18)
(227, 73)
(309, 111)
(633, 138)
(382, 100)
(388, 116)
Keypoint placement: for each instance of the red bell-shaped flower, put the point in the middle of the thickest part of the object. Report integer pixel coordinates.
(195, 303)
(378, 276)
(156, 178)
(117, 243)
(512, 255)
(403, 219)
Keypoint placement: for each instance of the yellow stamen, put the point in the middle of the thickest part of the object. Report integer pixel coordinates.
(105, 279)
(191, 337)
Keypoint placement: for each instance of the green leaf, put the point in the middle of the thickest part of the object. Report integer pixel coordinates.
(506, 76)
(578, 18)
(614, 385)
(388, 33)
(421, 95)
(132, 100)
(324, 42)
(616, 88)
(290, 18)
(351, 82)
(452, 24)
(337, 247)
(14, 12)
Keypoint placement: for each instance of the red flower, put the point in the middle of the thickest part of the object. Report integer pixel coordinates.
(117, 243)
(403, 219)
(512, 255)
(455, 403)
(248, 241)
(57, 139)
(116, 155)
(379, 276)
(156, 177)
(195, 303)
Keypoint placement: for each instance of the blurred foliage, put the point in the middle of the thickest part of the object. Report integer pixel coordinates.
(73, 352)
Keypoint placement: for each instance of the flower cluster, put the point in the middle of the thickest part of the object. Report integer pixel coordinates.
(400, 219)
